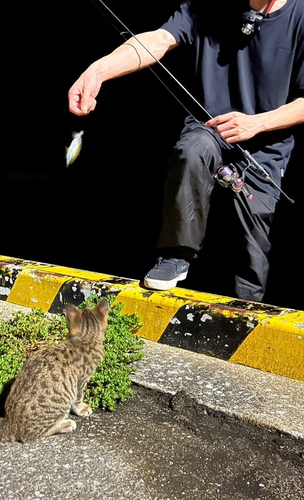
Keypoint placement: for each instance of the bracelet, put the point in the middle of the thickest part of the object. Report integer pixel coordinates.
(139, 58)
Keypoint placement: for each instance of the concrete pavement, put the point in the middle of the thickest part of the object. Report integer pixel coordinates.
(229, 432)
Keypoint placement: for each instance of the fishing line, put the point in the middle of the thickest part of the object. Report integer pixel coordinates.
(251, 162)
(128, 31)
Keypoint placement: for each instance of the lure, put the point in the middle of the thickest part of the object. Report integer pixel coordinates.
(73, 150)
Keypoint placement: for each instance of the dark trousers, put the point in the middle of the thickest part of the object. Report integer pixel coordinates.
(188, 194)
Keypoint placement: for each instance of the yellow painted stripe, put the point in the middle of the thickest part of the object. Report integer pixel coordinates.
(61, 270)
(154, 309)
(73, 273)
(275, 345)
(194, 296)
(32, 290)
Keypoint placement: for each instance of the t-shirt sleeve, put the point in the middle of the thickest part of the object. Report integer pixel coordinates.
(180, 24)
(297, 40)
(299, 79)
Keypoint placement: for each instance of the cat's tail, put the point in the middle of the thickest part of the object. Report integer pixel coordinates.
(4, 432)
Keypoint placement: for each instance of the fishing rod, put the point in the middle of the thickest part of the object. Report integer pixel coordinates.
(231, 178)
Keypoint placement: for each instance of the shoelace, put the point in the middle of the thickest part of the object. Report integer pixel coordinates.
(171, 261)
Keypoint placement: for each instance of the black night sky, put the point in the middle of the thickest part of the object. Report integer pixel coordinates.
(104, 212)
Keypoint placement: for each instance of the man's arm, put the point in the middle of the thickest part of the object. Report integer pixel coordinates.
(235, 126)
(129, 57)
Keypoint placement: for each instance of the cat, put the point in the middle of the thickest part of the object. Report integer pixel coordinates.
(52, 381)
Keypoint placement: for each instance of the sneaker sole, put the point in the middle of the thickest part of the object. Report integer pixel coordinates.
(164, 285)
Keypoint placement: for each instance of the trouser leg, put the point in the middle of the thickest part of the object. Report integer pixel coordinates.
(188, 189)
(189, 185)
(254, 219)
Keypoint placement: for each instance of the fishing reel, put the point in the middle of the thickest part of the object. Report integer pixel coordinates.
(228, 176)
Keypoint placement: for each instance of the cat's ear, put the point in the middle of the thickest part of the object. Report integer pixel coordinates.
(73, 317)
(102, 311)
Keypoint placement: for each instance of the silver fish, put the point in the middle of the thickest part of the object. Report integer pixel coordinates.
(73, 150)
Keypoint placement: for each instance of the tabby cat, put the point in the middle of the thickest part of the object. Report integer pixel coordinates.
(52, 381)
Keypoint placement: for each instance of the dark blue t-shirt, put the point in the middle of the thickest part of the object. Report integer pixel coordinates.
(238, 72)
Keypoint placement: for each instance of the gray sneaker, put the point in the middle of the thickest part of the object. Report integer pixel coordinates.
(166, 273)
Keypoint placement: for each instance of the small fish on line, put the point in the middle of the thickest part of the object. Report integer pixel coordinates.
(74, 148)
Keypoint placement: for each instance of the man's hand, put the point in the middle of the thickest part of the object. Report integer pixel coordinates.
(82, 94)
(235, 126)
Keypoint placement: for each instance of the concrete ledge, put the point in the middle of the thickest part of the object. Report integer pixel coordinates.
(261, 336)
(261, 398)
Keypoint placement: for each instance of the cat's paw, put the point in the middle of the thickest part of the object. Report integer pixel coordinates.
(67, 426)
(61, 427)
(85, 411)
(82, 410)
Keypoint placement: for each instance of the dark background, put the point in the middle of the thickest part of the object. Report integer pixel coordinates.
(103, 213)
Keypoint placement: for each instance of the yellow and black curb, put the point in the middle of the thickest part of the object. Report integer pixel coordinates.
(262, 336)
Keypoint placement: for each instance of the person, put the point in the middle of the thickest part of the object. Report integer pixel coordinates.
(248, 73)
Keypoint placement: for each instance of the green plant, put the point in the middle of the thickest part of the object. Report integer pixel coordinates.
(111, 382)
(25, 333)
(122, 346)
